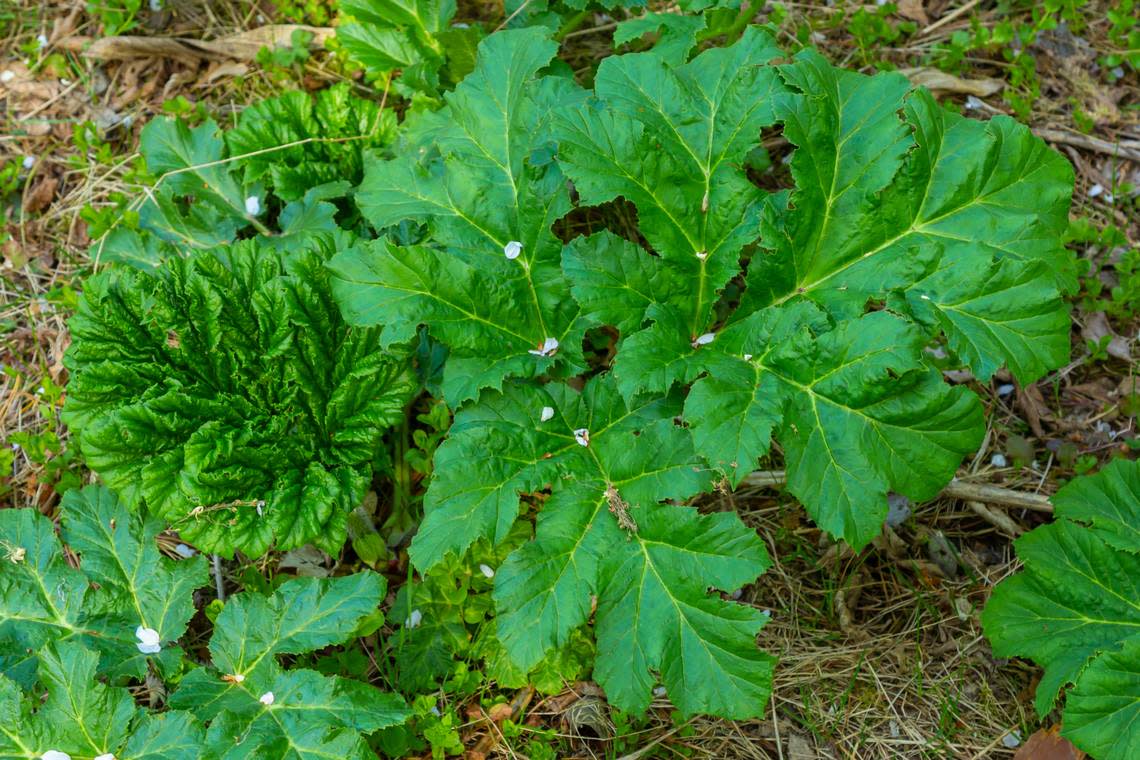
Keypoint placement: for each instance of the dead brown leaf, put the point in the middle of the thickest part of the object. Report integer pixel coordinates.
(939, 82)
(1047, 744)
(500, 712)
(913, 10)
(224, 70)
(40, 195)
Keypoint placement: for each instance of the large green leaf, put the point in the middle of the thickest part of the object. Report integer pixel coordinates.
(963, 217)
(227, 395)
(672, 141)
(490, 287)
(603, 532)
(123, 583)
(1075, 610)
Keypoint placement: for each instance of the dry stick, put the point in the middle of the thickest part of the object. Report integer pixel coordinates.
(776, 728)
(948, 18)
(955, 489)
(1129, 149)
(216, 561)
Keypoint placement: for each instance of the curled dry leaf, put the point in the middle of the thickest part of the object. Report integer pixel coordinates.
(942, 82)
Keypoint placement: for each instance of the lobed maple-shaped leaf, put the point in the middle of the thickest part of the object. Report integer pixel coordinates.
(856, 409)
(254, 705)
(1075, 610)
(123, 583)
(83, 718)
(226, 394)
(190, 161)
(954, 225)
(490, 286)
(604, 532)
(672, 139)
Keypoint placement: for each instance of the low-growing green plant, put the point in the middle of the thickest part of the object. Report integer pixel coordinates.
(120, 616)
(234, 381)
(417, 40)
(1075, 610)
(284, 170)
(742, 316)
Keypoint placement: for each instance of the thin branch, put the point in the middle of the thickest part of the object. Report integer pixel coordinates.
(955, 489)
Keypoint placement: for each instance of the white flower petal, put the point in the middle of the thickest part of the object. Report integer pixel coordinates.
(748, 357)
(253, 205)
(512, 250)
(55, 754)
(266, 698)
(29, 162)
(105, 756)
(149, 640)
(147, 635)
(705, 339)
(41, 40)
(547, 413)
(414, 619)
(7, 76)
(487, 571)
(582, 436)
(549, 346)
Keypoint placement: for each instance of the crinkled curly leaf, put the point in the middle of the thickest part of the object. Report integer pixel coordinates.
(1075, 610)
(226, 393)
